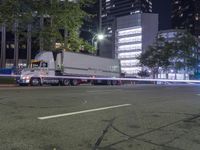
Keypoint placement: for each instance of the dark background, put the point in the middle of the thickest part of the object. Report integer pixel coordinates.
(163, 8)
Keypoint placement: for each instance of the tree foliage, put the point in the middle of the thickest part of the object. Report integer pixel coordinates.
(180, 53)
(157, 55)
(185, 51)
(59, 16)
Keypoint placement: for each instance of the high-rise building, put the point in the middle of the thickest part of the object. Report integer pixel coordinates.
(113, 9)
(186, 15)
(133, 35)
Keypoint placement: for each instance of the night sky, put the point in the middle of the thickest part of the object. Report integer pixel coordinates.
(163, 7)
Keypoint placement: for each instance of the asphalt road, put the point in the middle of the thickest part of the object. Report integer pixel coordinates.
(142, 117)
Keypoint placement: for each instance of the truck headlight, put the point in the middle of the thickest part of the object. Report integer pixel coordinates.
(26, 77)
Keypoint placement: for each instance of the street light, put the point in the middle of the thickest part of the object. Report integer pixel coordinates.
(97, 38)
(100, 37)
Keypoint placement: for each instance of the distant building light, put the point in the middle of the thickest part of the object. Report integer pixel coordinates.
(131, 70)
(130, 31)
(130, 39)
(129, 55)
(129, 62)
(130, 47)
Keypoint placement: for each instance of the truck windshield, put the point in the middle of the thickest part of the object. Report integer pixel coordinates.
(39, 64)
(35, 64)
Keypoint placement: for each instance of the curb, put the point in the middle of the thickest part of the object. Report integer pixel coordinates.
(8, 85)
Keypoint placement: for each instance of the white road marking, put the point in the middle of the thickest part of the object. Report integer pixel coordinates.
(198, 94)
(82, 112)
(100, 91)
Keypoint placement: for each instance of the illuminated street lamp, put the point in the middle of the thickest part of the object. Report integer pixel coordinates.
(100, 37)
(97, 38)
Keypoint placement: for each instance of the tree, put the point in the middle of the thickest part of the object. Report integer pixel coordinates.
(144, 73)
(45, 21)
(14, 13)
(185, 52)
(64, 15)
(181, 53)
(157, 55)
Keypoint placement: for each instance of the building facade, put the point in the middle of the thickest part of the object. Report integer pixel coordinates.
(186, 15)
(133, 36)
(112, 9)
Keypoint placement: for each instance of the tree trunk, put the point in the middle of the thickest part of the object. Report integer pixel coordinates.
(41, 38)
(29, 41)
(3, 46)
(16, 43)
(167, 75)
(185, 72)
(184, 69)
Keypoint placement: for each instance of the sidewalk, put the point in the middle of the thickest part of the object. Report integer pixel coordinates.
(7, 85)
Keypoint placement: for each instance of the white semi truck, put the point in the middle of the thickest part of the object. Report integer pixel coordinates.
(68, 68)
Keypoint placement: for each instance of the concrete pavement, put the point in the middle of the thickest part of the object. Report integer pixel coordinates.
(158, 118)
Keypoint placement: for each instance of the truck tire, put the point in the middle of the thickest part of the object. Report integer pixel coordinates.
(66, 82)
(35, 82)
(109, 82)
(74, 82)
(114, 82)
(22, 84)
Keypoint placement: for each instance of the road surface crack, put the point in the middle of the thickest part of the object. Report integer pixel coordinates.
(136, 137)
(99, 140)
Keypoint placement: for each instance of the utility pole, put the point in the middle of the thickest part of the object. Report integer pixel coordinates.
(100, 14)
(100, 26)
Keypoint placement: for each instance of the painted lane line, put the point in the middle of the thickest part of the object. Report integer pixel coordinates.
(198, 94)
(100, 91)
(82, 112)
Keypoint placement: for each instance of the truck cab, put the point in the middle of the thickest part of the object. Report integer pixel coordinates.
(40, 69)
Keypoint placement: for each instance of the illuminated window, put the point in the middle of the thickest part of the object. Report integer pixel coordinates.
(130, 39)
(131, 70)
(130, 31)
(130, 47)
(129, 55)
(126, 63)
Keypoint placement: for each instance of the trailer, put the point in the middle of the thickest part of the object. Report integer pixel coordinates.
(55, 68)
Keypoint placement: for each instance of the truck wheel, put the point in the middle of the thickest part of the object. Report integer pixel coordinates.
(114, 82)
(66, 82)
(109, 82)
(35, 82)
(23, 84)
(74, 82)
(92, 82)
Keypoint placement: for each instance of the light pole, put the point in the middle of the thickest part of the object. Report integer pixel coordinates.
(100, 14)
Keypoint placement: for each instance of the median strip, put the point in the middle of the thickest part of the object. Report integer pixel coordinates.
(82, 112)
